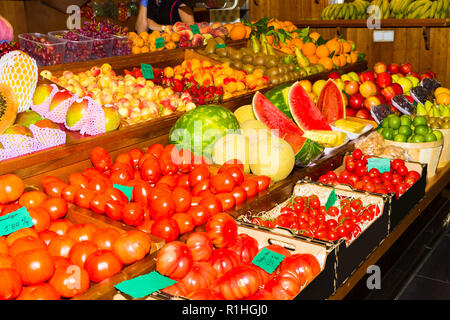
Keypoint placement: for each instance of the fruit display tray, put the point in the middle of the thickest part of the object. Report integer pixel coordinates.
(75, 51)
(51, 53)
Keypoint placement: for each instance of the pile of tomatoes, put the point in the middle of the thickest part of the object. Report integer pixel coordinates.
(398, 180)
(307, 216)
(216, 264)
(173, 191)
(56, 258)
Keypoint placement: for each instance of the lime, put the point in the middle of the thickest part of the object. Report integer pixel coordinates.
(419, 121)
(395, 132)
(388, 133)
(400, 137)
(380, 130)
(405, 120)
(438, 134)
(394, 122)
(429, 137)
(385, 123)
(418, 138)
(421, 130)
(405, 130)
(410, 139)
(391, 115)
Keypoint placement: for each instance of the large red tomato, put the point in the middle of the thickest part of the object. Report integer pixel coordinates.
(10, 284)
(223, 260)
(104, 238)
(201, 275)
(199, 213)
(81, 231)
(80, 251)
(222, 230)
(47, 236)
(11, 188)
(305, 266)
(132, 246)
(70, 281)
(24, 244)
(101, 265)
(32, 199)
(246, 247)
(212, 204)
(34, 266)
(201, 246)
(44, 291)
(24, 232)
(284, 286)
(239, 283)
(60, 246)
(174, 260)
(132, 213)
(204, 294)
(100, 159)
(60, 226)
(185, 222)
(264, 275)
(166, 228)
(178, 289)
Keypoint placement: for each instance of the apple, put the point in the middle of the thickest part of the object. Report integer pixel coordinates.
(431, 74)
(406, 68)
(368, 88)
(317, 86)
(367, 76)
(389, 92)
(27, 118)
(112, 118)
(393, 68)
(334, 75)
(351, 87)
(371, 101)
(346, 77)
(384, 79)
(381, 97)
(363, 113)
(59, 98)
(356, 101)
(95, 71)
(350, 112)
(77, 111)
(41, 93)
(423, 76)
(405, 83)
(379, 67)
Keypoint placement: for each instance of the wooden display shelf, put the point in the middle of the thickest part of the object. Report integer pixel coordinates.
(385, 23)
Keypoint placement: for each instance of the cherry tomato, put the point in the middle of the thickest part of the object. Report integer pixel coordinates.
(402, 170)
(350, 165)
(236, 173)
(166, 228)
(239, 194)
(357, 154)
(397, 163)
(34, 266)
(251, 188)
(174, 260)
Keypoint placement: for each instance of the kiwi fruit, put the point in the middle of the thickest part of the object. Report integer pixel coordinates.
(291, 66)
(259, 60)
(275, 80)
(222, 52)
(248, 59)
(262, 68)
(225, 60)
(219, 40)
(214, 56)
(236, 55)
(249, 68)
(237, 64)
(271, 72)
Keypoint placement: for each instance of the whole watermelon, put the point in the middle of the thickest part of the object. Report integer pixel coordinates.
(199, 128)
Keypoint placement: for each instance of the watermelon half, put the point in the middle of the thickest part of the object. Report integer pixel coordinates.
(305, 113)
(305, 150)
(331, 102)
(279, 98)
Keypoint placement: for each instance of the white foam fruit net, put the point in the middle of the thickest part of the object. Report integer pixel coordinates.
(95, 121)
(58, 114)
(43, 107)
(47, 137)
(20, 72)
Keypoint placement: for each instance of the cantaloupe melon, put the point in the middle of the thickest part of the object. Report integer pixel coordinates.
(252, 128)
(244, 113)
(232, 146)
(271, 156)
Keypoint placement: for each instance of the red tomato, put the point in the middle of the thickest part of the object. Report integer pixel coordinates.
(284, 286)
(167, 165)
(124, 158)
(201, 186)
(132, 246)
(236, 173)
(81, 231)
(204, 294)
(184, 159)
(61, 262)
(200, 245)
(169, 180)
(11, 188)
(222, 182)
(227, 200)
(261, 294)
(60, 226)
(246, 247)
(136, 155)
(141, 192)
(223, 260)
(98, 203)
(54, 188)
(182, 199)
(104, 238)
(44, 291)
(176, 290)
(357, 154)
(212, 204)
(413, 174)
(386, 176)
(150, 169)
(304, 266)
(185, 222)
(116, 194)
(83, 197)
(100, 159)
(40, 218)
(32, 199)
(91, 173)
(239, 194)
(120, 177)
(263, 182)
(402, 170)
(11, 284)
(251, 187)
(156, 150)
(5, 261)
(200, 214)
(199, 174)
(55, 207)
(80, 251)
(239, 283)
(77, 179)
(24, 244)
(60, 246)
(397, 163)
(101, 265)
(10, 208)
(231, 163)
(183, 181)
(278, 249)
(68, 193)
(113, 209)
(132, 213)
(264, 276)
(70, 281)
(174, 260)
(162, 207)
(222, 230)
(166, 228)
(146, 226)
(47, 236)
(201, 275)
(34, 266)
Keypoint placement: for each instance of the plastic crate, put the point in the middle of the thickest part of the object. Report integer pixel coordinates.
(44, 54)
(79, 50)
(121, 46)
(101, 48)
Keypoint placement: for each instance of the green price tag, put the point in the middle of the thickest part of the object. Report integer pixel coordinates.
(144, 285)
(382, 164)
(147, 71)
(128, 191)
(160, 43)
(14, 221)
(195, 29)
(331, 199)
(268, 260)
(220, 45)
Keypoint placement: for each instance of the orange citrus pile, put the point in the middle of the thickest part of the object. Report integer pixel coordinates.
(146, 42)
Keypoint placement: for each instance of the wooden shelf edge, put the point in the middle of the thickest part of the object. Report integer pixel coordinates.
(390, 23)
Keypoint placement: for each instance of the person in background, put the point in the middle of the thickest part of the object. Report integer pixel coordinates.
(156, 14)
(6, 30)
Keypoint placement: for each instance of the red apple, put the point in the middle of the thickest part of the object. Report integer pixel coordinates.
(414, 74)
(371, 101)
(431, 74)
(363, 113)
(384, 79)
(397, 88)
(334, 75)
(393, 68)
(379, 67)
(406, 68)
(381, 97)
(389, 92)
(356, 101)
(351, 87)
(350, 112)
(367, 76)
(424, 75)
(368, 88)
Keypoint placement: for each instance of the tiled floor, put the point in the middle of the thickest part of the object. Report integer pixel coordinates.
(431, 281)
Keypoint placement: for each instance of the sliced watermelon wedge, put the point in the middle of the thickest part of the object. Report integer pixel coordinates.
(305, 113)
(331, 102)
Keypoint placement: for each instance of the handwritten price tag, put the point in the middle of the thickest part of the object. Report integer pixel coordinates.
(195, 29)
(382, 164)
(128, 191)
(268, 260)
(14, 221)
(220, 45)
(144, 285)
(147, 71)
(160, 43)
(331, 199)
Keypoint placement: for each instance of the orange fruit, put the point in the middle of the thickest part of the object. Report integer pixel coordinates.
(229, 26)
(248, 30)
(144, 35)
(135, 50)
(138, 42)
(443, 98)
(327, 62)
(346, 46)
(238, 32)
(306, 84)
(322, 51)
(175, 37)
(336, 60)
(309, 49)
(145, 49)
(313, 59)
(297, 42)
(354, 56)
(348, 57)
(343, 60)
(314, 35)
(334, 46)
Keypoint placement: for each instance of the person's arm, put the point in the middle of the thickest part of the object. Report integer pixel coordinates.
(186, 14)
(141, 21)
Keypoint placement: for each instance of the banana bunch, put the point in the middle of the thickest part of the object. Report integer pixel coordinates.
(384, 11)
(427, 9)
(350, 10)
